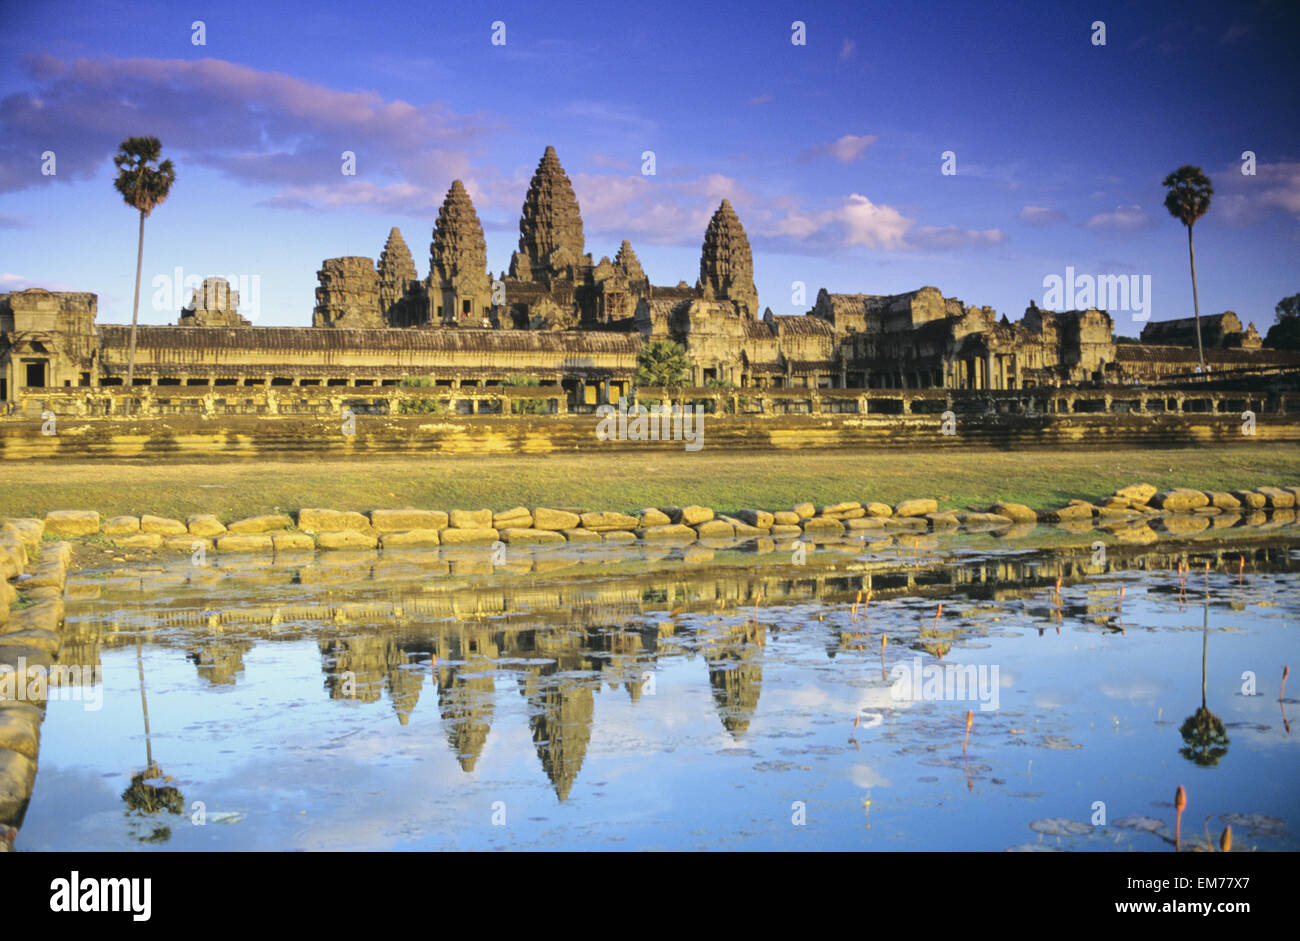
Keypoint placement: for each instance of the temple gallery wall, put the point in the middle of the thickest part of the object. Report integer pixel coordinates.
(559, 317)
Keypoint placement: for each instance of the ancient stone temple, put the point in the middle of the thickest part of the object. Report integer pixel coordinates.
(459, 287)
(214, 304)
(558, 318)
(726, 264)
(401, 300)
(348, 295)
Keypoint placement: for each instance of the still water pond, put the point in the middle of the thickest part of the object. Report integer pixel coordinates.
(625, 698)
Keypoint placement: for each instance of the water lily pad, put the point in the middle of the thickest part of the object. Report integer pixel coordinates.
(1256, 824)
(1058, 742)
(1138, 822)
(1061, 826)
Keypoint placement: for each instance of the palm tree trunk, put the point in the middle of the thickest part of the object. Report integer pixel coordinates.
(1196, 304)
(1205, 649)
(135, 307)
(144, 704)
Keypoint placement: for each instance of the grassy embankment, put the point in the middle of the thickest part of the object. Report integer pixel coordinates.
(725, 480)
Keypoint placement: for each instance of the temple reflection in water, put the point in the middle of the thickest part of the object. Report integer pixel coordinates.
(564, 628)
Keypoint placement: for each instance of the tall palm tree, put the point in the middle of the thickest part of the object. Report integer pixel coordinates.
(1187, 200)
(143, 186)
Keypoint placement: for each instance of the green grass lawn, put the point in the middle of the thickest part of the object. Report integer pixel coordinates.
(724, 480)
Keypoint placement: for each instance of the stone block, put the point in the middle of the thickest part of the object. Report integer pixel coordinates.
(332, 521)
(1136, 494)
(258, 541)
(17, 775)
(139, 541)
(20, 728)
(122, 526)
(205, 525)
(519, 517)
(605, 522)
(290, 542)
(652, 518)
(264, 523)
(693, 515)
(467, 535)
(410, 538)
(71, 522)
(1016, 512)
(547, 518)
(399, 521)
(471, 519)
(346, 539)
(822, 525)
(1179, 500)
(162, 525)
(668, 532)
(714, 529)
(526, 535)
(1278, 499)
(761, 519)
(917, 507)
(29, 530)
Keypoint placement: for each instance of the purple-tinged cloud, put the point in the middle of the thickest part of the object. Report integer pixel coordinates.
(255, 126)
(1121, 219)
(845, 149)
(1040, 215)
(1243, 199)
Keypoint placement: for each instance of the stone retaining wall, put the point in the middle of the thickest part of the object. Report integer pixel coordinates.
(254, 436)
(312, 529)
(34, 572)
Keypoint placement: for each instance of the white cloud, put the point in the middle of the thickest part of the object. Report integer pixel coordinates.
(870, 225)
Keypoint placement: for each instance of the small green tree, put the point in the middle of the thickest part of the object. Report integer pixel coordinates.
(525, 406)
(143, 187)
(418, 406)
(1287, 307)
(1285, 334)
(1187, 200)
(663, 364)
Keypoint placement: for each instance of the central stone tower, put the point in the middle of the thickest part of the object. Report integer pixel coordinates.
(459, 286)
(726, 264)
(551, 244)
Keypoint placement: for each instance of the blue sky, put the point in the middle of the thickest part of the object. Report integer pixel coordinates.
(830, 151)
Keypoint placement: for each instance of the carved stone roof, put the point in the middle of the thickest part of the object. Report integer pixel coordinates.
(628, 264)
(458, 252)
(726, 263)
(550, 228)
(802, 325)
(115, 338)
(395, 263)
